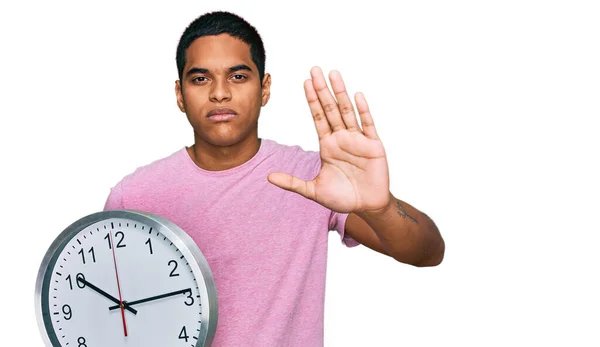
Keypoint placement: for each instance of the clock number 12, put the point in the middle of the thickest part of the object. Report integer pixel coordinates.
(117, 234)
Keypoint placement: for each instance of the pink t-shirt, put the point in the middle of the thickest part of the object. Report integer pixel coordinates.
(266, 247)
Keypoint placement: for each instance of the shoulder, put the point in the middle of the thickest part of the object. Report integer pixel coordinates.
(154, 172)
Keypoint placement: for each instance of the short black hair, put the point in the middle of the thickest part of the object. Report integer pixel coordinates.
(222, 22)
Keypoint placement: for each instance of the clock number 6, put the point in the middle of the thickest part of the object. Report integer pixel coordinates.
(119, 245)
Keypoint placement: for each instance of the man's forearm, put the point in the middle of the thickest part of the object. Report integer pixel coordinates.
(408, 235)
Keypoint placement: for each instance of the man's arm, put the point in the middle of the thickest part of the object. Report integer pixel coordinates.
(354, 178)
(400, 231)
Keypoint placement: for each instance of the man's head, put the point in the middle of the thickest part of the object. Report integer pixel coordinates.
(220, 22)
(221, 63)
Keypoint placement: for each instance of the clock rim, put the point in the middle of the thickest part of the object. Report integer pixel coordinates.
(186, 245)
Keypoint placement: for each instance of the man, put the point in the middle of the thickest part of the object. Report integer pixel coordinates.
(261, 211)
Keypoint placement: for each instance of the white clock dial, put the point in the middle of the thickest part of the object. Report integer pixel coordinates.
(125, 278)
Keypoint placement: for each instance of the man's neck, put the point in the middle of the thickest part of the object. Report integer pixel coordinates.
(216, 158)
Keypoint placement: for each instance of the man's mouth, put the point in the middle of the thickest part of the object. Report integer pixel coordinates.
(221, 114)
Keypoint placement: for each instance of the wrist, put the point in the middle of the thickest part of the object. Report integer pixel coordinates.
(381, 212)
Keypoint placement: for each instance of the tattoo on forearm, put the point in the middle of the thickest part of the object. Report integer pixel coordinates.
(403, 213)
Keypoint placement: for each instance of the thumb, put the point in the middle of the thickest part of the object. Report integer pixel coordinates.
(293, 184)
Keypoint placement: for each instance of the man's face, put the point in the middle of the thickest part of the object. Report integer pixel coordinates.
(220, 90)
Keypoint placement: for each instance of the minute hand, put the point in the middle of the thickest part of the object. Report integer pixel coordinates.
(105, 294)
(156, 297)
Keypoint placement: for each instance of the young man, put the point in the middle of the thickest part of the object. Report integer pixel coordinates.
(261, 211)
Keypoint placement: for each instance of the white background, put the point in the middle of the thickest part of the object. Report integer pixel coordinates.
(488, 112)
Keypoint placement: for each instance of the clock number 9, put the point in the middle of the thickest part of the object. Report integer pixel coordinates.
(117, 234)
(67, 311)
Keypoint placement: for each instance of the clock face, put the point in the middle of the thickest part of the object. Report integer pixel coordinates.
(124, 278)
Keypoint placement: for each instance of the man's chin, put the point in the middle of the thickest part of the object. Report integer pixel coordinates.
(224, 141)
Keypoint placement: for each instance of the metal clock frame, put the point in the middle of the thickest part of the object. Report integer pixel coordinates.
(183, 242)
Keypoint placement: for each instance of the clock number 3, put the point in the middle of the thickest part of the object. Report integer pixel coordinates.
(117, 235)
(189, 296)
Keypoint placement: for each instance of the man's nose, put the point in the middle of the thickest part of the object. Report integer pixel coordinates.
(220, 91)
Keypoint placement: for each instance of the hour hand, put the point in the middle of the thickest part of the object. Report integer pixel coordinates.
(105, 294)
(156, 297)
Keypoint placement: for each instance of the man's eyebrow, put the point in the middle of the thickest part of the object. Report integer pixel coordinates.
(196, 70)
(240, 67)
(231, 69)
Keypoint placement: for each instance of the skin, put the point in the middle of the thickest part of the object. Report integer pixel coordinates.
(354, 176)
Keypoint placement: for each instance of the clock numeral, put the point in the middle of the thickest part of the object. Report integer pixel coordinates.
(67, 311)
(79, 284)
(117, 234)
(149, 243)
(183, 334)
(173, 274)
(81, 342)
(189, 297)
(83, 255)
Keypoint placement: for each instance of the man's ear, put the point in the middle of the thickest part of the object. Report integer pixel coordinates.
(266, 89)
(179, 94)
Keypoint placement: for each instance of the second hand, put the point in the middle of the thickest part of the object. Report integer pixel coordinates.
(112, 244)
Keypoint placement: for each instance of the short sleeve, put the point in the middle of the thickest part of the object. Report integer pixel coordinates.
(337, 222)
(115, 199)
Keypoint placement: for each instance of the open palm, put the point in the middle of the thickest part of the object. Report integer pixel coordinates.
(354, 174)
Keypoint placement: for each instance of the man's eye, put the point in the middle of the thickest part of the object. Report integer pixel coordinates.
(239, 77)
(199, 79)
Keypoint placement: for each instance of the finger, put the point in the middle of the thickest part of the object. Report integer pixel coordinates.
(321, 123)
(365, 117)
(326, 99)
(343, 100)
(293, 184)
